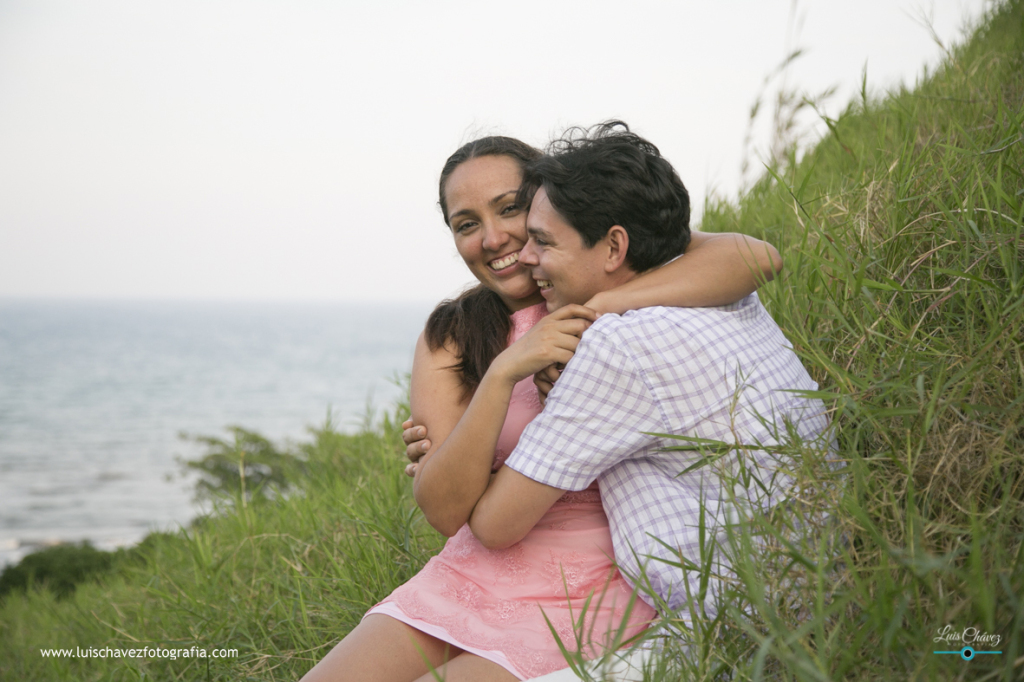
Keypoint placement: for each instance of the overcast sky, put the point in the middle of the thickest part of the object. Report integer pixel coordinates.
(250, 149)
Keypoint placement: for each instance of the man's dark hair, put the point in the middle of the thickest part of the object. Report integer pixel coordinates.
(605, 175)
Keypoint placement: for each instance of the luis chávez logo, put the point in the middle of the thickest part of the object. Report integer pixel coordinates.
(968, 640)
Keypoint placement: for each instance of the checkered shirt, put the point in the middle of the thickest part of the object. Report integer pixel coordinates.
(724, 374)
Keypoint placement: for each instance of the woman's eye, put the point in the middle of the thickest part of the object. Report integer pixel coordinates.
(511, 208)
(464, 226)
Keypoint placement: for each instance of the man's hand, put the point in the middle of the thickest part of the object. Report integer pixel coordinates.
(545, 380)
(416, 445)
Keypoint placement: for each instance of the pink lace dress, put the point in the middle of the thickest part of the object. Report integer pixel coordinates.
(497, 603)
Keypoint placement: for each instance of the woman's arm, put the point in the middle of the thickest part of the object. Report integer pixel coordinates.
(437, 401)
(452, 476)
(717, 269)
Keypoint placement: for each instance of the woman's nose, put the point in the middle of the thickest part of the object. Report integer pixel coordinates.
(494, 237)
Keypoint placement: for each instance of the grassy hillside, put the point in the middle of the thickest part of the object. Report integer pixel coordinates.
(903, 294)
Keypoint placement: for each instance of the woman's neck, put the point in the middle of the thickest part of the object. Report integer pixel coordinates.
(517, 304)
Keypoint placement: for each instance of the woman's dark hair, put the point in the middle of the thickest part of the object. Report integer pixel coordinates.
(476, 324)
(607, 175)
(494, 145)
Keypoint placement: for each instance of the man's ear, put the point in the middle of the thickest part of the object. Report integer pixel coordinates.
(617, 241)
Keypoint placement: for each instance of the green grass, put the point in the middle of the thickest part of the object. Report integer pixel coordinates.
(279, 579)
(904, 296)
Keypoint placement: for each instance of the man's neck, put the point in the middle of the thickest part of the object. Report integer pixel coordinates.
(617, 279)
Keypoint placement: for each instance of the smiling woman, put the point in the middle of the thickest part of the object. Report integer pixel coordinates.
(487, 222)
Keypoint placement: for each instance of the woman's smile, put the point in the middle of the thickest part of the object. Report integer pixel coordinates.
(504, 262)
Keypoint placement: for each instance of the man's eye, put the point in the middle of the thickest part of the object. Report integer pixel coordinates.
(511, 208)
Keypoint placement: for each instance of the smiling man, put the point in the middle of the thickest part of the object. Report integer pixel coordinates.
(605, 207)
(564, 266)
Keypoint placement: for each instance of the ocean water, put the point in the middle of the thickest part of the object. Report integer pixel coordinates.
(94, 397)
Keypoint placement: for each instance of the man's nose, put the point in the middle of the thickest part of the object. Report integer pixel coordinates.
(528, 256)
(494, 237)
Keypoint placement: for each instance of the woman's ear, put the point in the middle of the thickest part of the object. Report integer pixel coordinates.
(617, 241)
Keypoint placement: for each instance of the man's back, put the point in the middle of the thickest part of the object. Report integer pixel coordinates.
(719, 374)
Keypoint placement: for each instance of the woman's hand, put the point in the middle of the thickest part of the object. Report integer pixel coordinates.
(549, 345)
(416, 445)
(603, 302)
(552, 341)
